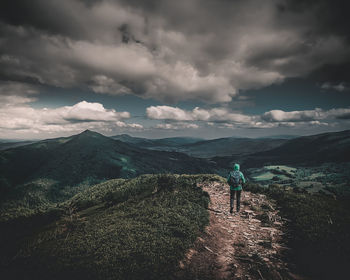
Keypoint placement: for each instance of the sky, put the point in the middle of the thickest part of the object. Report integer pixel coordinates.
(151, 68)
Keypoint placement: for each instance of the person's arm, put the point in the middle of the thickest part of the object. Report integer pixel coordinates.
(242, 177)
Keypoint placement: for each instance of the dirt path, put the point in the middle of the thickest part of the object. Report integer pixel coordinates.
(246, 246)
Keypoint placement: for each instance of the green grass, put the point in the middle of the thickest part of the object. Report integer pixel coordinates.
(281, 167)
(120, 229)
(318, 231)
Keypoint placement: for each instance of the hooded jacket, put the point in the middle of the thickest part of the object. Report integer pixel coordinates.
(236, 169)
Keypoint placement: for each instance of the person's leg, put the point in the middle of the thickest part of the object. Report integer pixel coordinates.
(232, 198)
(238, 204)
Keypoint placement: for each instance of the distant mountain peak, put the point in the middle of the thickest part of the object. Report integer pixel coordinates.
(89, 132)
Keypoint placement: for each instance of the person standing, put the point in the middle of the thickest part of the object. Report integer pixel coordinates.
(235, 179)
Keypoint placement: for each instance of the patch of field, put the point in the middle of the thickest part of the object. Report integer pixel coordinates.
(264, 176)
(282, 167)
(311, 186)
(315, 175)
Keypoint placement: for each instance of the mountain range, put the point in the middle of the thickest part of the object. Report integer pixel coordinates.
(71, 160)
(205, 148)
(55, 169)
(306, 150)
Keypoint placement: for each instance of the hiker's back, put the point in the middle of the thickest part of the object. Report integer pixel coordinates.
(235, 178)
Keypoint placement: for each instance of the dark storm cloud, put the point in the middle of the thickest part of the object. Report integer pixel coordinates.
(56, 17)
(331, 17)
(170, 50)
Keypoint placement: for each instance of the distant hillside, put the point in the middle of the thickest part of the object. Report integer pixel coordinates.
(48, 169)
(205, 148)
(305, 150)
(164, 143)
(325, 147)
(230, 146)
(8, 145)
(281, 136)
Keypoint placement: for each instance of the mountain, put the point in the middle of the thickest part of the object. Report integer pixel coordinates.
(325, 147)
(230, 146)
(133, 140)
(280, 136)
(54, 165)
(305, 150)
(7, 145)
(197, 147)
(165, 143)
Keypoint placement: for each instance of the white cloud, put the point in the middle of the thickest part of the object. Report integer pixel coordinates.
(338, 87)
(197, 114)
(293, 116)
(168, 113)
(17, 115)
(306, 115)
(177, 126)
(224, 118)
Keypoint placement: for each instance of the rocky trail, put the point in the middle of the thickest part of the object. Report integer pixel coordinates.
(246, 245)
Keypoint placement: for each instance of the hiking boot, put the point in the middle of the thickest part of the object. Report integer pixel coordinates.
(231, 210)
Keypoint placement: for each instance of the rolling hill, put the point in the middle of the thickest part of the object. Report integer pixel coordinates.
(163, 144)
(90, 154)
(230, 146)
(315, 149)
(8, 145)
(306, 150)
(55, 169)
(200, 148)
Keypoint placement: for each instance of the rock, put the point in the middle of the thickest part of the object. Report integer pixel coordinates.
(266, 228)
(181, 265)
(210, 250)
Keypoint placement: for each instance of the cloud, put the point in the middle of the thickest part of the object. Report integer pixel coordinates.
(197, 114)
(337, 87)
(168, 113)
(176, 126)
(16, 114)
(306, 115)
(293, 116)
(222, 117)
(184, 50)
(85, 112)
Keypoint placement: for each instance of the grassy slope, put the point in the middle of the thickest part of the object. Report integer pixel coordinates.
(318, 230)
(120, 229)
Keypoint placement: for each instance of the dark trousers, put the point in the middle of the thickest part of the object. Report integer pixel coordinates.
(232, 198)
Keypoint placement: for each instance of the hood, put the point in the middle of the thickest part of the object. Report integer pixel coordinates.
(236, 166)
